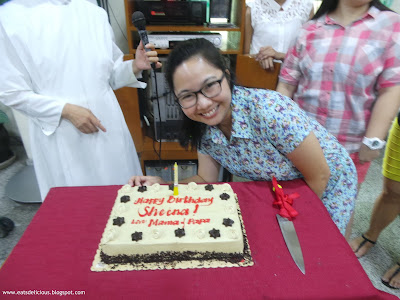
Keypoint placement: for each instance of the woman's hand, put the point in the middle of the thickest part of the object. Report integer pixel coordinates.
(365, 154)
(143, 59)
(383, 113)
(267, 64)
(266, 52)
(266, 57)
(145, 180)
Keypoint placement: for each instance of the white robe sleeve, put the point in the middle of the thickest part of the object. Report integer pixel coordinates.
(122, 73)
(16, 89)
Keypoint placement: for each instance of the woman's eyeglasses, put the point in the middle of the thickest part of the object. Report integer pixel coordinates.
(210, 90)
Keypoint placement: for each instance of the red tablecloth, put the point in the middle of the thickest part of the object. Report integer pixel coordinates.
(57, 250)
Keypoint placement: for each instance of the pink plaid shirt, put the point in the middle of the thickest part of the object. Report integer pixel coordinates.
(339, 70)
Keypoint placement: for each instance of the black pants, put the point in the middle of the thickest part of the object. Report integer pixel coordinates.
(5, 151)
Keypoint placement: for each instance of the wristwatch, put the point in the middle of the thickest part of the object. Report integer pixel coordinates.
(373, 143)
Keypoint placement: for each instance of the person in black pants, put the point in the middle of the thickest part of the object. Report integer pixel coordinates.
(7, 157)
(6, 225)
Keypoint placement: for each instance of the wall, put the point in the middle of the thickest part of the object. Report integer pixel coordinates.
(118, 23)
(116, 9)
(393, 4)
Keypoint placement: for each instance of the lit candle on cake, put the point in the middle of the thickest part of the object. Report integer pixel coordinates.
(176, 179)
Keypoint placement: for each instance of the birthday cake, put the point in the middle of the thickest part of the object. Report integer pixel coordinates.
(151, 228)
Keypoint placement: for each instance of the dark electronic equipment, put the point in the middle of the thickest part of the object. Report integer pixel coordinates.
(220, 11)
(170, 112)
(173, 12)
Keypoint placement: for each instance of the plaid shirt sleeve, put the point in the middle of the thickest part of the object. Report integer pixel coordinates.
(390, 75)
(290, 71)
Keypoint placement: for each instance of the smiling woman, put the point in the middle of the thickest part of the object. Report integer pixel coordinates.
(253, 133)
(210, 109)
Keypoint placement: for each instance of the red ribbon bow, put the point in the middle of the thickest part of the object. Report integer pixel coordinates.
(284, 202)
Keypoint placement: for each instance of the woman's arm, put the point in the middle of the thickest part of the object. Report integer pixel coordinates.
(383, 113)
(309, 159)
(286, 89)
(266, 57)
(248, 31)
(269, 52)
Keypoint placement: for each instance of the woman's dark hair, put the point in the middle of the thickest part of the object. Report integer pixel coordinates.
(192, 132)
(328, 6)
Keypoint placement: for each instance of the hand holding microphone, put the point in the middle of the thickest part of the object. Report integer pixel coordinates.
(142, 51)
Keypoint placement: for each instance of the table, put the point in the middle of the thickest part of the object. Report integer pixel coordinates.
(57, 249)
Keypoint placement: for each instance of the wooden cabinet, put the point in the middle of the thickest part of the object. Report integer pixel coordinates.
(249, 73)
(232, 43)
(232, 38)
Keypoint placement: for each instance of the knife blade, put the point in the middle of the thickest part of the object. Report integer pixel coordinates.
(292, 241)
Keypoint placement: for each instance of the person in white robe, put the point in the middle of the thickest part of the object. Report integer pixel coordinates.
(59, 66)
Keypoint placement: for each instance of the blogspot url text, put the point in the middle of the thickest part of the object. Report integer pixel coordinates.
(44, 293)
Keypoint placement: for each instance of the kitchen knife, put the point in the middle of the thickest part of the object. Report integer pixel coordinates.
(292, 241)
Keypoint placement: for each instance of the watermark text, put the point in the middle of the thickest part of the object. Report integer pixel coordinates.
(43, 293)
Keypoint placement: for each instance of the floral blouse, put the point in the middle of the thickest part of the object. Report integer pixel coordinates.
(266, 126)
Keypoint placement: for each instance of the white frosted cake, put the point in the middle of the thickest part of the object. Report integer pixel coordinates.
(148, 224)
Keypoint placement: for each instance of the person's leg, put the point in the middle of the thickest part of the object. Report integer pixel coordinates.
(386, 209)
(349, 226)
(387, 205)
(362, 170)
(392, 277)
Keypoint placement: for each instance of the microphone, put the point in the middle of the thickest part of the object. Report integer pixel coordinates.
(139, 21)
